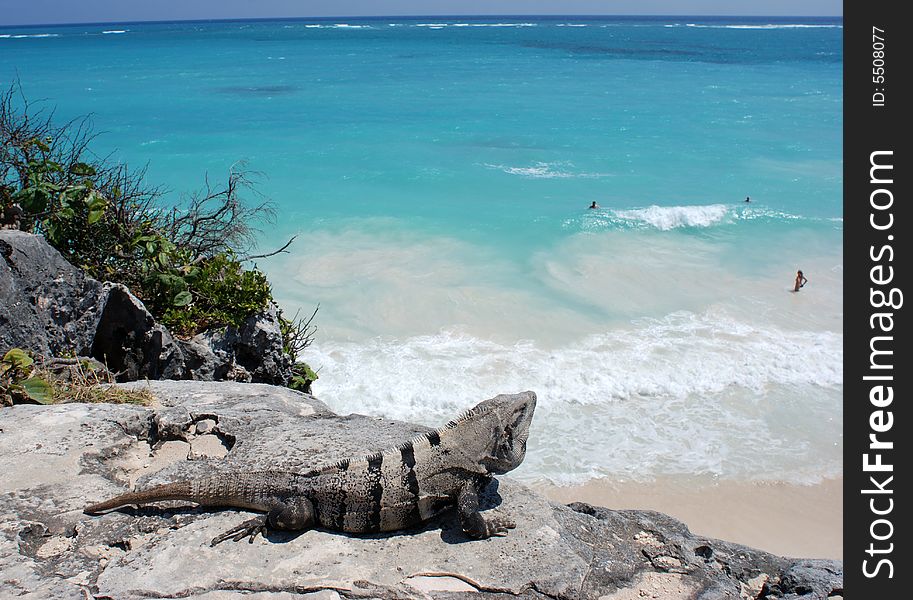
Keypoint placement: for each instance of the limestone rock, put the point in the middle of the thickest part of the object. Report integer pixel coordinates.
(50, 307)
(56, 459)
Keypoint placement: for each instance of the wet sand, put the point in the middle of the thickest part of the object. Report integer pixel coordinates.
(785, 519)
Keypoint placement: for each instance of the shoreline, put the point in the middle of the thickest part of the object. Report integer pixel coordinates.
(782, 518)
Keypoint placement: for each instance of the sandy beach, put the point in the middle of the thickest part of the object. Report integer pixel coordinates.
(785, 519)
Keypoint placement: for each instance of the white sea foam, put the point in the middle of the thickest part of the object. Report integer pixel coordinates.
(34, 35)
(337, 26)
(765, 26)
(115, 31)
(686, 394)
(546, 170)
(502, 24)
(671, 217)
(442, 25)
(666, 218)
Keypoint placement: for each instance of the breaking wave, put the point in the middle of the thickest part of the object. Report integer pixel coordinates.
(762, 26)
(666, 218)
(678, 395)
(20, 36)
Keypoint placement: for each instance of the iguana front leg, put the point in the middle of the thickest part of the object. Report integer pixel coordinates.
(473, 523)
(290, 514)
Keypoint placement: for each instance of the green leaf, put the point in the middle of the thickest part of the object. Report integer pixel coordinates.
(96, 201)
(18, 358)
(95, 216)
(82, 169)
(33, 199)
(183, 298)
(38, 390)
(192, 273)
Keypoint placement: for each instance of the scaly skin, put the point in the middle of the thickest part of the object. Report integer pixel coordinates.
(387, 491)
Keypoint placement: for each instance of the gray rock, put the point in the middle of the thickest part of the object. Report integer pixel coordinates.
(50, 307)
(46, 304)
(258, 348)
(251, 353)
(205, 426)
(131, 343)
(55, 459)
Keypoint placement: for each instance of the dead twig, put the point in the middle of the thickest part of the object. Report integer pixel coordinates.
(274, 253)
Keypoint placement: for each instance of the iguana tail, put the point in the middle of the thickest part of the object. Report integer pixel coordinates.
(182, 490)
(253, 491)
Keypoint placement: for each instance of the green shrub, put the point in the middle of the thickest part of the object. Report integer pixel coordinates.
(215, 293)
(302, 377)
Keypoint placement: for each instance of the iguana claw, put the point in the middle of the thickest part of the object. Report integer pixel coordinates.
(499, 526)
(248, 529)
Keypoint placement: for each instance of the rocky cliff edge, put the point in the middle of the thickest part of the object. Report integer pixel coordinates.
(56, 459)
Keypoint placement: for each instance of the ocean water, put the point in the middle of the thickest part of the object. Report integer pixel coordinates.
(438, 173)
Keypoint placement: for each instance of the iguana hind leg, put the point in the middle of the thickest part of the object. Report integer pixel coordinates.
(248, 529)
(290, 514)
(473, 523)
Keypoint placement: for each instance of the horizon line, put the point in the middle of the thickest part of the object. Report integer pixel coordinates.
(379, 17)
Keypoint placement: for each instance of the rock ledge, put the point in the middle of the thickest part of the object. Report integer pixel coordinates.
(56, 459)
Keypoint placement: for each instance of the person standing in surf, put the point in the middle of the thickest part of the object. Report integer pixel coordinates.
(801, 280)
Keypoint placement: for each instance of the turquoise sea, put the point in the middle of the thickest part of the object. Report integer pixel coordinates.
(438, 173)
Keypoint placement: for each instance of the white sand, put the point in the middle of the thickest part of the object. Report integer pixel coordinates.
(785, 519)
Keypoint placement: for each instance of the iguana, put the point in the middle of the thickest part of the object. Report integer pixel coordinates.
(386, 491)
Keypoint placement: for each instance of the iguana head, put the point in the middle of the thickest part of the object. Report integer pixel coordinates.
(504, 420)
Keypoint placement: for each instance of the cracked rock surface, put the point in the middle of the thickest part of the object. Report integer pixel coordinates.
(56, 459)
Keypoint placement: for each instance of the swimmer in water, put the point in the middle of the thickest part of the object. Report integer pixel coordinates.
(801, 280)
(594, 205)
